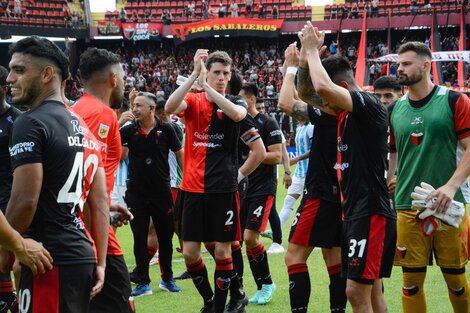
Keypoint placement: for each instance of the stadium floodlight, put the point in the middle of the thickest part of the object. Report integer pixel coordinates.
(14, 39)
(108, 37)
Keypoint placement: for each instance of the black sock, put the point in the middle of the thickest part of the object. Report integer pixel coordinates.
(198, 272)
(299, 287)
(237, 260)
(337, 289)
(222, 281)
(258, 259)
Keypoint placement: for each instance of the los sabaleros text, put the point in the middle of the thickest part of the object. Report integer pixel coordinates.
(258, 27)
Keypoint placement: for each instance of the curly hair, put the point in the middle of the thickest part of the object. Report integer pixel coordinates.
(94, 60)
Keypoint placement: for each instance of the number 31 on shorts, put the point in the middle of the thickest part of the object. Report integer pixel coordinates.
(356, 248)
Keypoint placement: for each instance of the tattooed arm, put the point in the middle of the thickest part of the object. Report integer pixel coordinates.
(308, 94)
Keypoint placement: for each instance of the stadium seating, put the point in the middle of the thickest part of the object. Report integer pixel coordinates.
(48, 13)
(285, 6)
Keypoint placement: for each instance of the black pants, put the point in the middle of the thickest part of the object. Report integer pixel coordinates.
(159, 207)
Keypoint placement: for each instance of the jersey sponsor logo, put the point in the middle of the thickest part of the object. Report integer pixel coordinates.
(21, 147)
(204, 140)
(342, 147)
(77, 128)
(341, 166)
(103, 131)
(417, 120)
(276, 132)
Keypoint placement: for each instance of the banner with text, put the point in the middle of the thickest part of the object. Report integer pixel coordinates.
(436, 56)
(235, 27)
(110, 28)
(142, 31)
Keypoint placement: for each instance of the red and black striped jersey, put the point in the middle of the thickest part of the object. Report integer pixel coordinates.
(211, 146)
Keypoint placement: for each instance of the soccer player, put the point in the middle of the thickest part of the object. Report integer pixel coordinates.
(210, 210)
(260, 198)
(430, 136)
(8, 114)
(102, 77)
(54, 158)
(303, 136)
(369, 227)
(148, 141)
(387, 89)
(317, 222)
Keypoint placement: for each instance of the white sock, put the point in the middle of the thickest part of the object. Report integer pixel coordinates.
(287, 209)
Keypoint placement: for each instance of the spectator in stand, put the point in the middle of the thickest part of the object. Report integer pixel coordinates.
(354, 11)
(122, 14)
(375, 8)
(205, 10)
(166, 17)
(351, 52)
(8, 11)
(334, 11)
(260, 9)
(275, 11)
(222, 10)
(148, 14)
(414, 7)
(234, 9)
(427, 6)
(191, 9)
(4, 4)
(17, 8)
(248, 8)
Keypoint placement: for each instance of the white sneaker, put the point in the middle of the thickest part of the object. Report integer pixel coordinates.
(154, 259)
(276, 248)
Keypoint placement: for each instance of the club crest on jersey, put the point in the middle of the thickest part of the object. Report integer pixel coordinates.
(401, 251)
(219, 113)
(159, 132)
(103, 131)
(417, 138)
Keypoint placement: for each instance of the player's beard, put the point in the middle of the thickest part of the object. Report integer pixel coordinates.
(29, 95)
(117, 96)
(410, 80)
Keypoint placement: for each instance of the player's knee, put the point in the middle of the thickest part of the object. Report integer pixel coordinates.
(456, 281)
(413, 281)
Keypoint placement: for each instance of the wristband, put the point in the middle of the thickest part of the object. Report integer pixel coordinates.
(240, 176)
(291, 70)
(288, 172)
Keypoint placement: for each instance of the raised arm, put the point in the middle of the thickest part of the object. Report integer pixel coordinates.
(235, 112)
(335, 98)
(176, 103)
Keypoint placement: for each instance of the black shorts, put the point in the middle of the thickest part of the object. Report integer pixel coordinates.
(317, 223)
(64, 289)
(210, 217)
(368, 248)
(114, 297)
(256, 212)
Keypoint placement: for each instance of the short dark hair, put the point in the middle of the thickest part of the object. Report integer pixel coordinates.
(148, 95)
(236, 82)
(3, 76)
(250, 89)
(160, 104)
(94, 60)
(218, 57)
(339, 69)
(43, 48)
(416, 46)
(387, 82)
